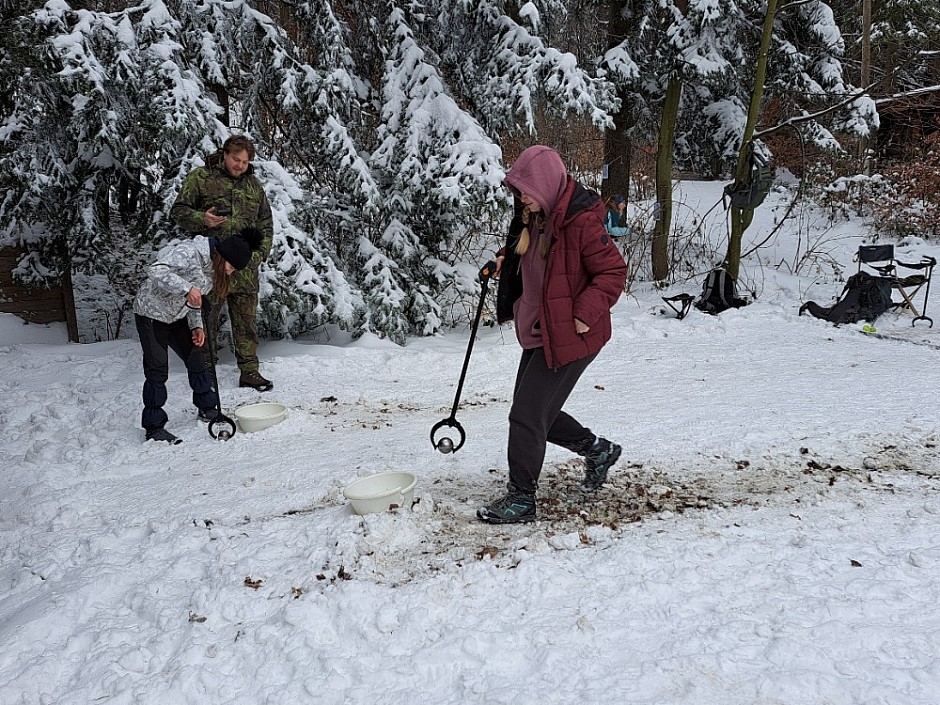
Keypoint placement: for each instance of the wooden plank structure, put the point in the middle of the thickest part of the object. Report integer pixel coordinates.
(33, 304)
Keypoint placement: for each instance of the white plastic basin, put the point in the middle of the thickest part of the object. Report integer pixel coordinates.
(381, 492)
(257, 417)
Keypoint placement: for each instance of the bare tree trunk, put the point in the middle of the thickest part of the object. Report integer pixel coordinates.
(664, 157)
(659, 248)
(865, 76)
(222, 96)
(617, 157)
(741, 218)
(617, 145)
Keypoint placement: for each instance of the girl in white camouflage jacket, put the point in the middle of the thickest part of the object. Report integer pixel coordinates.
(168, 313)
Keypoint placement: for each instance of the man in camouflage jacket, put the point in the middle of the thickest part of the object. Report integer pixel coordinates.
(220, 199)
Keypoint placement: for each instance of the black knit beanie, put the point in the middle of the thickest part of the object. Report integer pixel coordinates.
(235, 251)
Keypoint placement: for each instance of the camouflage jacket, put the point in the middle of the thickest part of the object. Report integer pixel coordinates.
(179, 268)
(211, 185)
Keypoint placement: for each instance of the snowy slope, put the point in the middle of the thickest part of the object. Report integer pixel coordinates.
(769, 536)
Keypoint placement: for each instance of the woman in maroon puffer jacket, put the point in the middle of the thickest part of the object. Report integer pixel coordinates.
(559, 276)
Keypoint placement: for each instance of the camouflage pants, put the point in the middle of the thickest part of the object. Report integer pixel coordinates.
(242, 302)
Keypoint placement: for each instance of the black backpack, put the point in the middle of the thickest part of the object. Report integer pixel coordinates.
(865, 297)
(753, 191)
(719, 293)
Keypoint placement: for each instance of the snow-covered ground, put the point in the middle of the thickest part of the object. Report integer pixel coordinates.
(770, 535)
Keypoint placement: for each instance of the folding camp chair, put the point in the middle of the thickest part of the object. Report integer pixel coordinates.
(880, 258)
(680, 303)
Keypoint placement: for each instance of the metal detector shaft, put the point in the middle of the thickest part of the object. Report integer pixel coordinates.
(485, 275)
(446, 445)
(220, 420)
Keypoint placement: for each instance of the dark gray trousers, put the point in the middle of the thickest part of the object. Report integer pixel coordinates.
(155, 340)
(536, 417)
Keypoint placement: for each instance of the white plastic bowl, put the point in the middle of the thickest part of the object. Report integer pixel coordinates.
(257, 417)
(379, 493)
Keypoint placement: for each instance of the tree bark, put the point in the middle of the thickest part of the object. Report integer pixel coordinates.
(865, 76)
(659, 247)
(741, 218)
(664, 157)
(617, 145)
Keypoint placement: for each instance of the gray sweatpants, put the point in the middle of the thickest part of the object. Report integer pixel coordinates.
(536, 416)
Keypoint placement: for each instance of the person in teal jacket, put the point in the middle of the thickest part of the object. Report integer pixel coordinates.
(616, 219)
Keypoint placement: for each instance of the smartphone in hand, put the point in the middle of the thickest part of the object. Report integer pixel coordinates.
(223, 210)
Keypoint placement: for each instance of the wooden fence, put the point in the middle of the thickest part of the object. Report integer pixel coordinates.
(33, 304)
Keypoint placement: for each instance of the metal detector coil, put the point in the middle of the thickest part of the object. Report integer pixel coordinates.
(446, 444)
(222, 434)
(221, 428)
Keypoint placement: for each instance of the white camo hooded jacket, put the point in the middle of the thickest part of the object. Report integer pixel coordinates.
(179, 268)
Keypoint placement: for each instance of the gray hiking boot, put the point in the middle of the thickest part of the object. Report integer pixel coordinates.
(515, 508)
(598, 459)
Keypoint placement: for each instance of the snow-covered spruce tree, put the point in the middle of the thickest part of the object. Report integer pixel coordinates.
(905, 36)
(711, 45)
(92, 137)
(376, 124)
(812, 81)
(449, 80)
(394, 136)
(254, 69)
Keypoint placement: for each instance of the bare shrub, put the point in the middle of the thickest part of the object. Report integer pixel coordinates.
(912, 205)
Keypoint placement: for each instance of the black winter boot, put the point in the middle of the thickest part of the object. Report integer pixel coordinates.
(598, 459)
(162, 435)
(208, 415)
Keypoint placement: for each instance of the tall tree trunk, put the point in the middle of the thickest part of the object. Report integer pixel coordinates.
(659, 248)
(617, 146)
(222, 96)
(865, 76)
(741, 218)
(664, 157)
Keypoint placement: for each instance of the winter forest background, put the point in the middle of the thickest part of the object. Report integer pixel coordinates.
(384, 128)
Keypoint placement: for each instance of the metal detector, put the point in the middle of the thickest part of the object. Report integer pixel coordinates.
(446, 443)
(227, 424)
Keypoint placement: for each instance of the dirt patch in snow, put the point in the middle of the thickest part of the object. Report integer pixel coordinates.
(441, 533)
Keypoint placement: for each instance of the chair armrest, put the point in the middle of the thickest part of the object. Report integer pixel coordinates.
(924, 263)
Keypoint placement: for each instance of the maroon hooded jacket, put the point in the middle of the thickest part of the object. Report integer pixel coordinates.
(585, 271)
